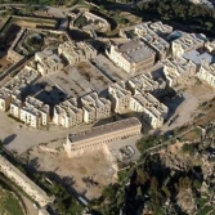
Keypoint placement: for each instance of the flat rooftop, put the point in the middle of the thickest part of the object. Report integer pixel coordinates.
(104, 129)
(135, 51)
(197, 58)
(110, 70)
(188, 41)
(71, 82)
(79, 80)
(96, 78)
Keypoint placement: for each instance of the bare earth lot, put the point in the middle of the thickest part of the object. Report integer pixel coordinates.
(194, 94)
(4, 64)
(98, 165)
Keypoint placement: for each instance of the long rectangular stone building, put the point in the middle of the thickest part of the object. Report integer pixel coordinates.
(92, 139)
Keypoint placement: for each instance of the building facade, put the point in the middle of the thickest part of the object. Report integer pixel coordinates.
(173, 69)
(76, 52)
(68, 114)
(152, 34)
(5, 99)
(132, 56)
(95, 108)
(149, 108)
(94, 138)
(48, 62)
(120, 97)
(207, 73)
(32, 112)
(186, 43)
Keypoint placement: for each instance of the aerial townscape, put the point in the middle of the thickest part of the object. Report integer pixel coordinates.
(107, 107)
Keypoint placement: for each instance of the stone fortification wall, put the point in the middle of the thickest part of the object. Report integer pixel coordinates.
(21, 180)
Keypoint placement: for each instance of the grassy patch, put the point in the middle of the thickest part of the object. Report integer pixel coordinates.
(205, 210)
(9, 203)
(192, 135)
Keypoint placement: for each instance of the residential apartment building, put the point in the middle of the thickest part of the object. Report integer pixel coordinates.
(207, 73)
(119, 96)
(48, 62)
(160, 28)
(15, 107)
(151, 34)
(94, 138)
(173, 69)
(5, 99)
(144, 81)
(32, 112)
(186, 43)
(153, 40)
(18, 84)
(95, 108)
(210, 46)
(100, 22)
(132, 56)
(68, 114)
(199, 57)
(149, 108)
(76, 52)
(26, 76)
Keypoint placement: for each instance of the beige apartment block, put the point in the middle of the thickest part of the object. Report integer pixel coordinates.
(160, 28)
(210, 46)
(76, 52)
(173, 69)
(5, 99)
(15, 107)
(94, 138)
(161, 47)
(132, 56)
(149, 108)
(186, 43)
(120, 97)
(32, 112)
(26, 76)
(89, 114)
(101, 106)
(48, 62)
(151, 34)
(207, 73)
(35, 112)
(18, 84)
(100, 22)
(67, 114)
(144, 81)
(22, 181)
(153, 117)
